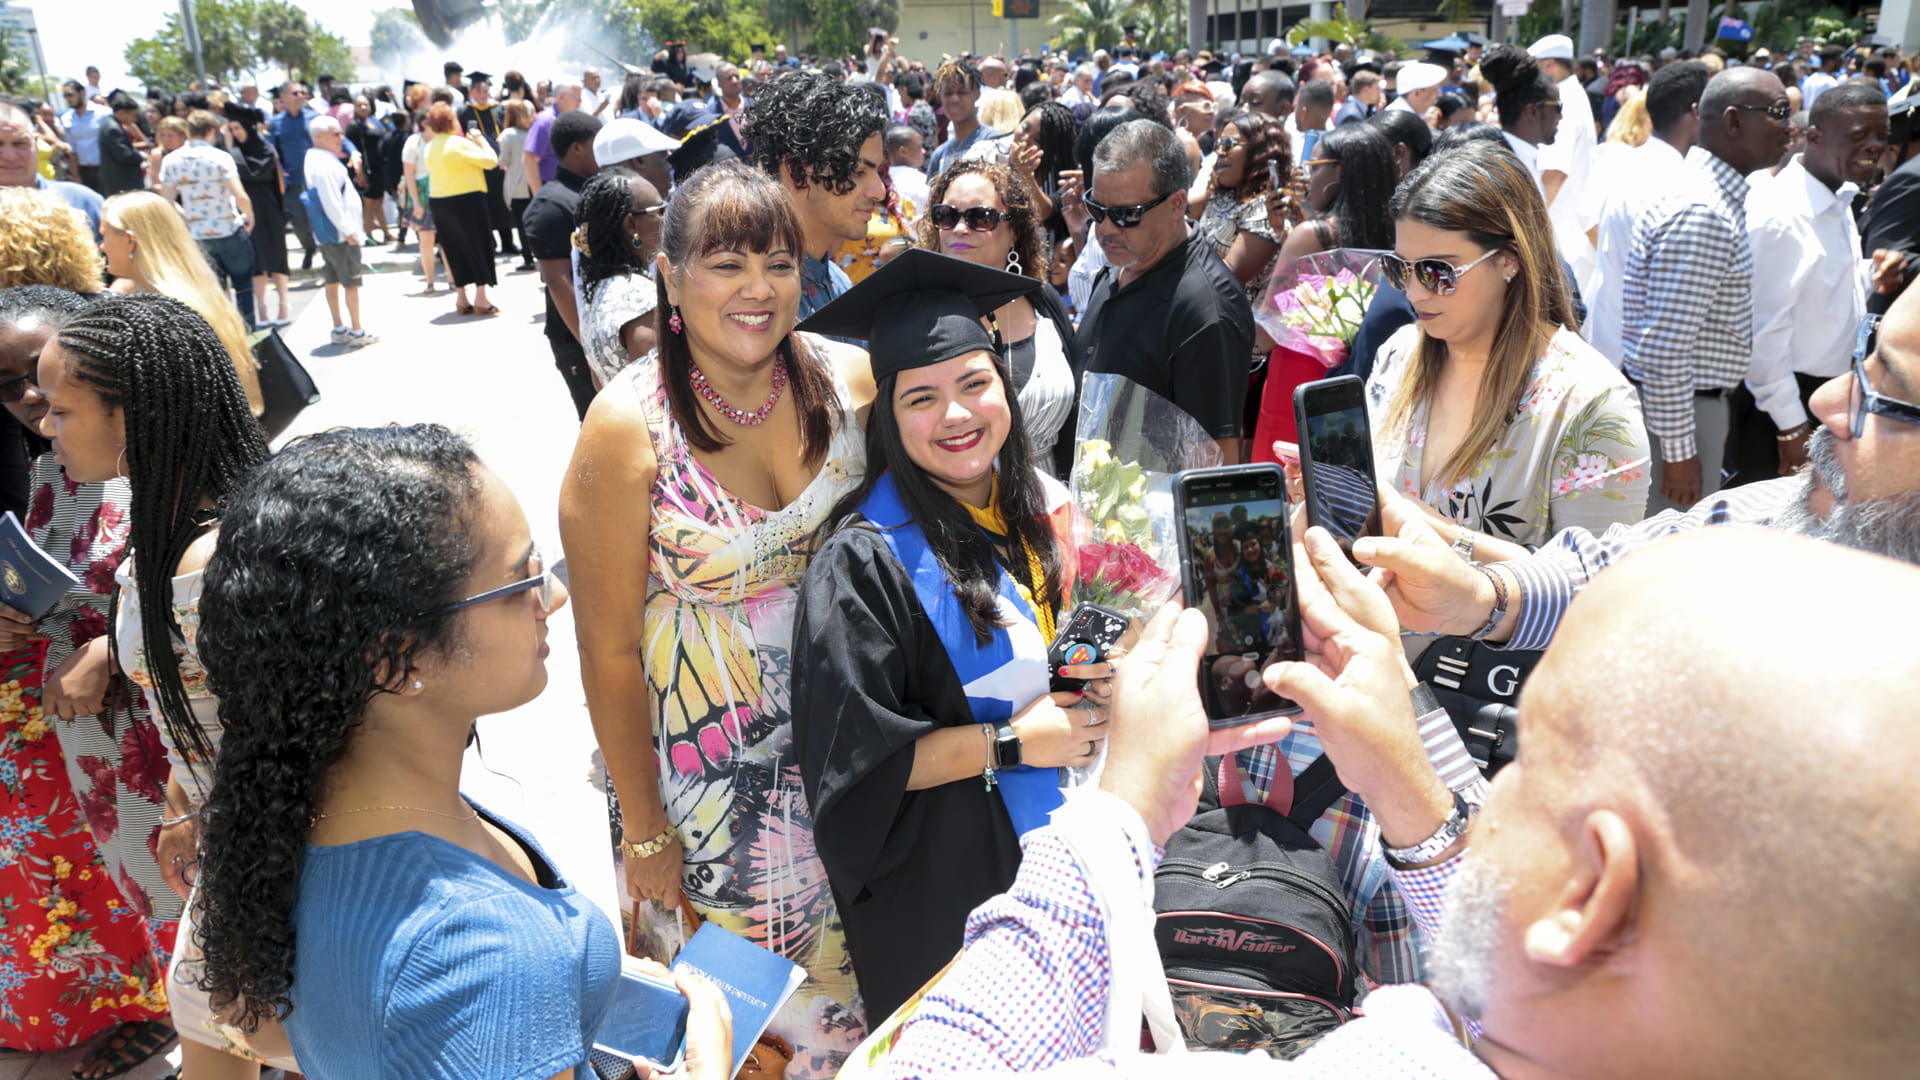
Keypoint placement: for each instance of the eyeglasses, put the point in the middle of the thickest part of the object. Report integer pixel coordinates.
(1782, 112)
(14, 387)
(542, 580)
(646, 211)
(1124, 217)
(1320, 161)
(1437, 276)
(978, 218)
(1861, 398)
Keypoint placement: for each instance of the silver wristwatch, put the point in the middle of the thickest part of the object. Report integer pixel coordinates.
(1433, 846)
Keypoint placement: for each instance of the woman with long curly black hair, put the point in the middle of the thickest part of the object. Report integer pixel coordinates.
(433, 938)
(142, 387)
(617, 233)
(1250, 152)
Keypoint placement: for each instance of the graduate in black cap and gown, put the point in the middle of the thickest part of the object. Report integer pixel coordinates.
(928, 741)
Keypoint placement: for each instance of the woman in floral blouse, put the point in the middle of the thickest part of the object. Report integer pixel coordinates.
(1490, 410)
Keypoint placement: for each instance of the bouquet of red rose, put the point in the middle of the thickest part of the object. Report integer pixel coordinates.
(1130, 443)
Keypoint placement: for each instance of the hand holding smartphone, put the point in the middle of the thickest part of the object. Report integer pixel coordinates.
(1237, 569)
(647, 1023)
(1336, 459)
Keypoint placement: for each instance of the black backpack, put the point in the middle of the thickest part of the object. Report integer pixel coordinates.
(1253, 925)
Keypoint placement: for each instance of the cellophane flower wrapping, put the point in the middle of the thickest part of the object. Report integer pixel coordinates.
(1313, 304)
(1131, 443)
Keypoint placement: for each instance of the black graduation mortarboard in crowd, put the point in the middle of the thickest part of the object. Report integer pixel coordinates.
(711, 142)
(243, 114)
(921, 309)
(479, 77)
(1900, 120)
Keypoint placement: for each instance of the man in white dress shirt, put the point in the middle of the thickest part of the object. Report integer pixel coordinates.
(1633, 182)
(1567, 160)
(1812, 284)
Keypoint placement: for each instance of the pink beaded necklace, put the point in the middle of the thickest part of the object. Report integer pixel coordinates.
(749, 419)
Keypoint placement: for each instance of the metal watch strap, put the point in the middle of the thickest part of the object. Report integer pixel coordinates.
(647, 849)
(1433, 846)
(1425, 703)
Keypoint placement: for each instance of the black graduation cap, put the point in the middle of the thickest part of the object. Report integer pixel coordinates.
(474, 77)
(243, 114)
(711, 142)
(921, 309)
(1901, 117)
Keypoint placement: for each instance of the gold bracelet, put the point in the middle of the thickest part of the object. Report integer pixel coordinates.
(649, 848)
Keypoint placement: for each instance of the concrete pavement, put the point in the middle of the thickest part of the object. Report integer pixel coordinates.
(492, 379)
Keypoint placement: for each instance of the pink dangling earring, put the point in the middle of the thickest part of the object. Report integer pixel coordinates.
(675, 324)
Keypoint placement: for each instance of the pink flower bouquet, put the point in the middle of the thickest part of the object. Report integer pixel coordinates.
(1314, 304)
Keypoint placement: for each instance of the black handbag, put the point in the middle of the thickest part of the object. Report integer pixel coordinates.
(285, 387)
(1479, 687)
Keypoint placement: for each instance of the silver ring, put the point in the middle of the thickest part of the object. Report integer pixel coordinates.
(1092, 716)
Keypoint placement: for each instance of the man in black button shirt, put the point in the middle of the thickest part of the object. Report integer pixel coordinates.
(548, 223)
(1167, 313)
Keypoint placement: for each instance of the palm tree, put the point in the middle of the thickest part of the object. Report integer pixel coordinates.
(1091, 24)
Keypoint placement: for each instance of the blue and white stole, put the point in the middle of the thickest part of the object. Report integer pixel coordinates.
(1008, 673)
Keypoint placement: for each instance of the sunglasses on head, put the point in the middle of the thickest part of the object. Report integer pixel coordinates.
(978, 218)
(1437, 276)
(1124, 217)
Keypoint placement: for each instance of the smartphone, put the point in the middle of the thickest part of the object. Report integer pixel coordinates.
(1336, 458)
(647, 1023)
(1236, 566)
(1088, 637)
(1273, 175)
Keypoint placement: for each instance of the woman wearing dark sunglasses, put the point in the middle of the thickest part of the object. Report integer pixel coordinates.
(984, 213)
(1251, 150)
(1490, 409)
(347, 882)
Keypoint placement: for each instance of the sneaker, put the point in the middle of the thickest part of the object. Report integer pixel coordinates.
(342, 336)
(360, 339)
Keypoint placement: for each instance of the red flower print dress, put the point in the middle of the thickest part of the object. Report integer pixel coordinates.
(76, 956)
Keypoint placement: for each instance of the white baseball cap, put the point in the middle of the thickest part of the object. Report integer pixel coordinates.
(1276, 47)
(626, 138)
(1418, 75)
(1552, 47)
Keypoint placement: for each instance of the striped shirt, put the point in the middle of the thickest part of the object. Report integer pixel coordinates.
(1551, 577)
(1687, 299)
(1383, 927)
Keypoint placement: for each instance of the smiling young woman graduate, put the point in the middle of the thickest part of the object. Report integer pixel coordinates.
(928, 741)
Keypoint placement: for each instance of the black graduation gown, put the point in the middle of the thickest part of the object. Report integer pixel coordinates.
(871, 677)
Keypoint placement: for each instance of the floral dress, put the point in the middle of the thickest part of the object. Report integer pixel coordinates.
(76, 956)
(1575, 453)
(1226, 219)
(722, 577)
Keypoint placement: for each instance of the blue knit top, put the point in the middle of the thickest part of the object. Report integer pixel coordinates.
(417, 958)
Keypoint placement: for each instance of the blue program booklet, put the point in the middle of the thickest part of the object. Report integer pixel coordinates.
(756, 982)
(31, 581)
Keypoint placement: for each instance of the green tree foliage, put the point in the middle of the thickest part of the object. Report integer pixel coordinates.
(728, 29)
(1358, 33)
(1091, 24)
(16, 71)
(396, 32)
(237, 36)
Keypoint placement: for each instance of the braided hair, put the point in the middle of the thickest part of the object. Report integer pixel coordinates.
(600, 229)
(190, 438)
(25, 305)
(360, 531)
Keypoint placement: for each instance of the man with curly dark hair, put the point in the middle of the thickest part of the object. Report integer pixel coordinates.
(823, 141)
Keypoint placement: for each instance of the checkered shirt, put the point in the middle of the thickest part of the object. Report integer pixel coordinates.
(1550, 578)
(1389, 949)
(1688, 299)
(1030, 990)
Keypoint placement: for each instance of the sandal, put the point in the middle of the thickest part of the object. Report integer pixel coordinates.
(131, 1045)
(461, 307)
(488, 310)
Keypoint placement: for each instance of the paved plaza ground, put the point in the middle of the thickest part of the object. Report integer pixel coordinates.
(493, 380)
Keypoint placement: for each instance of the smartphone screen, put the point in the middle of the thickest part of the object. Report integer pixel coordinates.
(1238, 570)
(1336, 459)
(648, 1021)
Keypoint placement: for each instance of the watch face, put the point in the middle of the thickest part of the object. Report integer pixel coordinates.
(1006, 748)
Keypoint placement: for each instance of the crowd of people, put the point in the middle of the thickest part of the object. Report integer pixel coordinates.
(826, 323)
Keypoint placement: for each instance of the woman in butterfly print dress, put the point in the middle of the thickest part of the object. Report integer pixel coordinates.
(730, 502)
